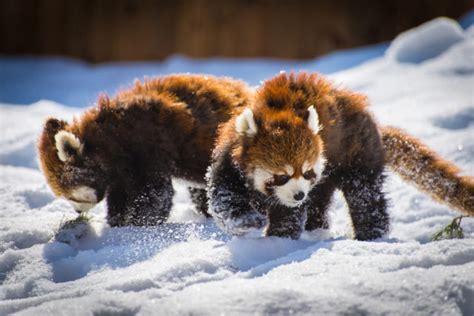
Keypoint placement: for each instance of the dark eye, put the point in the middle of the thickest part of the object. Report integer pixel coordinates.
(280, 179)
(310, 174)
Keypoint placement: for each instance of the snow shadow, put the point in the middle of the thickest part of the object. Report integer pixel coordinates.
(456, 121)
(467, 304)
(119, 247)
(259, 256)
(24, 155)
(36, 199)
(22, 240)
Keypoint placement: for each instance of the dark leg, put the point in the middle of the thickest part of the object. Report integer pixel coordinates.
(199, 198)
(146, 205)
(285, 222)
(152, 205)
(116, 201)
(230, 198)
(319, 200)
(367, 204)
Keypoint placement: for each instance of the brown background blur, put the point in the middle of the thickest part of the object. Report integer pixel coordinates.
(111, 30)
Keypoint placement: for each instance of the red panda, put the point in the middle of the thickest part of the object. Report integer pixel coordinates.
(278, 162)
(127, 148)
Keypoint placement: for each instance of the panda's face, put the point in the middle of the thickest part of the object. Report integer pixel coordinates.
(289, 184)
(68, 170)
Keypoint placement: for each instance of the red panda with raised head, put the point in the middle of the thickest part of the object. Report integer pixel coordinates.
(279, 161)
(127, 148)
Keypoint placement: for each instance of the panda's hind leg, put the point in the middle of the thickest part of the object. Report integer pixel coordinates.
(367, 203)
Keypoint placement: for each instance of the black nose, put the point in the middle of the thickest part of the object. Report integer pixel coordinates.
(299, 196)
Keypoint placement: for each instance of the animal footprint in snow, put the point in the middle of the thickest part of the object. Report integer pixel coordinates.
(73, 230)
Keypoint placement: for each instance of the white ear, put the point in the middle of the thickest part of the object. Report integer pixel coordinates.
(245, 123)
(68, 145)
(313, 120)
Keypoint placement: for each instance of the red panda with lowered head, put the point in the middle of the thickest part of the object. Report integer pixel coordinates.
(127, 148)
(277, 163)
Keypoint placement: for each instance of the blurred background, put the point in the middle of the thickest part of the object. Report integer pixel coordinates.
(72, 51)
(131, 30)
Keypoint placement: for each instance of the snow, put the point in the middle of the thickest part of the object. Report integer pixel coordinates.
(25, 80)
(188, 266)
(425, 42)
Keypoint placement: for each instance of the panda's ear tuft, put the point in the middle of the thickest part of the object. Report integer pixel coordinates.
(53, 125)
(245, 123)
(68, 145)
(313, 120)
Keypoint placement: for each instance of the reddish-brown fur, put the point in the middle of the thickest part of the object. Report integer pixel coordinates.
(160, 128)
(134, 143)
(282, 104)
(349, 140)
(413, 160)
(416, 163)
(356, 148)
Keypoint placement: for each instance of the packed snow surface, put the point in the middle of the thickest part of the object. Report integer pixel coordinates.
(188, 266)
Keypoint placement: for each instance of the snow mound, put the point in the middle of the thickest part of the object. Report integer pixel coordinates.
(426, 41)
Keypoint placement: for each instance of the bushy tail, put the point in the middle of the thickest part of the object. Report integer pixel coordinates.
(416, 163)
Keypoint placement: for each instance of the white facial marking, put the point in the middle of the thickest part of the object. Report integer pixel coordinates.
(307, 166)
(63, 138)
(82, 207)
(313, 120)
(85, 198)
(286, 192)
(289, 170)
(84, 194)
(260, 177)
(245, 123)
(319, 166)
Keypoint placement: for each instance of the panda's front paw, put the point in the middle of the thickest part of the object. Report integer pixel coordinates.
(246, 224)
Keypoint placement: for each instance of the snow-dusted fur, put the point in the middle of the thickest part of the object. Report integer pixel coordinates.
(300, 141)
(187, 266)
(418, 164)
(258, 171)
(127, 148)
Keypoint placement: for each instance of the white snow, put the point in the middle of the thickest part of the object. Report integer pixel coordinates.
(188, 266)
(426, 41)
